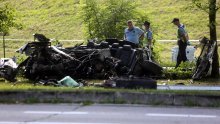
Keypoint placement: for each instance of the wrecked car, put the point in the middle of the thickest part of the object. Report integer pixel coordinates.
(109, 58)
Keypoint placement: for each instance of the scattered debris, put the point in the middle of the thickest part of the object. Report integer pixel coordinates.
(68, 81)
(7, 68)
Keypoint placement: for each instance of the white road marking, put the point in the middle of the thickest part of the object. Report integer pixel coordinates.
(50, 123)
(56, 112)
(180, 115)
(166, 115)
(203, 116)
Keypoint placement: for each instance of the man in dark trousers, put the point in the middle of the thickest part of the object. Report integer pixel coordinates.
(183, 39)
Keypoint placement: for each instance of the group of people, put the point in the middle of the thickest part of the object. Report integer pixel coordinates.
(138, 36)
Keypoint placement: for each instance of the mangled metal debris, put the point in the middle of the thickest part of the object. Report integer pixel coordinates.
(8, 68)
(110, 58)
(204, 54)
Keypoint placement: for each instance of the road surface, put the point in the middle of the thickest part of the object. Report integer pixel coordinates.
(106, 114)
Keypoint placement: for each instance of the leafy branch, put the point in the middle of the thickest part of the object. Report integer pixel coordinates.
(218, 5)
(8, 19)
(201, 4)
(205, 5)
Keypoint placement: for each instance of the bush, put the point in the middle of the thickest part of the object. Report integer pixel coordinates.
(184, 71)
(157, 48)
(107, 19)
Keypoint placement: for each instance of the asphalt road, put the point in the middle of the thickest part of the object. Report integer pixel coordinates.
(106, 114)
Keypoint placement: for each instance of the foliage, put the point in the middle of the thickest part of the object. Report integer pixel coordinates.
(166, 63)
(184, 71)
(204, 4)
(108, 19)
(211, 7)
(157, 51)
(8, 19)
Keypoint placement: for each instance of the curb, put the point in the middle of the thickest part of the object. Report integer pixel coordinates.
(89, 97)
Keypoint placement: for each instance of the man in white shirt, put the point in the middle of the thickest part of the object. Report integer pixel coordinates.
(133, 34)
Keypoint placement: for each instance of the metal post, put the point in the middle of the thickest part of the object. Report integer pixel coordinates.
(4, 44)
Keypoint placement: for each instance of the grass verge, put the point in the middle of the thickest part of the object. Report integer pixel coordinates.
(23, 87)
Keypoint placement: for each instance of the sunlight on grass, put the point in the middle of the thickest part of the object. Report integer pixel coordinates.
(60, 18)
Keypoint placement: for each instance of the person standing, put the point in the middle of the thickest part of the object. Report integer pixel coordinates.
(183, 40)
(148, 37)
(133, 34)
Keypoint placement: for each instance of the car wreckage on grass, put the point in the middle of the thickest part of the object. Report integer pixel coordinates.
(120, 62)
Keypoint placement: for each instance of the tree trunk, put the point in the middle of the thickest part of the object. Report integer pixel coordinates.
(213, 37)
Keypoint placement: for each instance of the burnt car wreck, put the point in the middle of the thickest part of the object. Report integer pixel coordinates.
(111, 59)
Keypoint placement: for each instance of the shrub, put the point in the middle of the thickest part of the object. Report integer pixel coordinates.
(184, 71)
(107, 19)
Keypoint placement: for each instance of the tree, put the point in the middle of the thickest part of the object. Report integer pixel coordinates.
(211, 7)
(108, 19)
(7, 21)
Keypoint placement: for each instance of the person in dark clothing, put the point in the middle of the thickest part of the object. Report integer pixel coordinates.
(183, 40)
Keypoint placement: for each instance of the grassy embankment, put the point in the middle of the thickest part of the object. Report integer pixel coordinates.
(61, 20)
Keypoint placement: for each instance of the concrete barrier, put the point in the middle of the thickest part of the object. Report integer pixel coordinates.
(109, 97)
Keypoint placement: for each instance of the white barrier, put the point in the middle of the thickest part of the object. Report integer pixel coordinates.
(176, 40)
